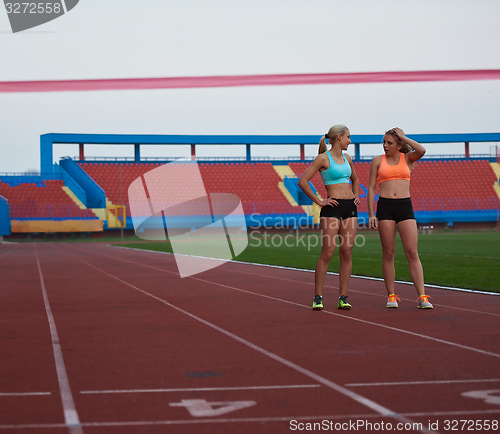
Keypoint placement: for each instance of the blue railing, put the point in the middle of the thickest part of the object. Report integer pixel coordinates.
(47, 142)
(4, 217)
(266, 159)
(14, 179)
(168, 159)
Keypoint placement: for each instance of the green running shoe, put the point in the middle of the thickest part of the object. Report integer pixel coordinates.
(343, 304)
(318, 302)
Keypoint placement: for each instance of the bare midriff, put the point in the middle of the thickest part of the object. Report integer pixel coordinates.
(395, 189)
(340, 191)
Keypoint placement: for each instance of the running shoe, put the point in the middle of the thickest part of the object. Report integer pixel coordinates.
(343, 304)
(391, 301)
(424, 303)
(318, 302)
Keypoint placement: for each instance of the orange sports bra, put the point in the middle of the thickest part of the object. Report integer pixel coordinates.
(387, 172)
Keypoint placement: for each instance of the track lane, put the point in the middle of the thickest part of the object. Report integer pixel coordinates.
(29, 392)
(269, 309)
(130, 273)
(433, 360)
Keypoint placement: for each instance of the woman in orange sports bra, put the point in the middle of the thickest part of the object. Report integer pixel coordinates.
(394, 210)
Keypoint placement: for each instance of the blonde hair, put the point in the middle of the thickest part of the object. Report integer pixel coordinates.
(404, 147)
(331, 135)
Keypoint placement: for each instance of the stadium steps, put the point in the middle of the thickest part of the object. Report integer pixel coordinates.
(255, 184)
(299, 168)
(496, 169)
(283, 171)
(73, 197)
(109, 216)
(100, 212)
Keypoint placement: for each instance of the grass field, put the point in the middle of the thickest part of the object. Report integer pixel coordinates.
(461, 259)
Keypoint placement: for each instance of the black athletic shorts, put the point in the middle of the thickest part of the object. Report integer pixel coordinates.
(395, 209)
(343, 211)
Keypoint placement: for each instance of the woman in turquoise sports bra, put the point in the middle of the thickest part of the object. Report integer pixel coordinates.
(339, 216)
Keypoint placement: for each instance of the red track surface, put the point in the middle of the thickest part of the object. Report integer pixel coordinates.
(135, 338)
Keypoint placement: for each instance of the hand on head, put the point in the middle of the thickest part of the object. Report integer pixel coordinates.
(399, 132)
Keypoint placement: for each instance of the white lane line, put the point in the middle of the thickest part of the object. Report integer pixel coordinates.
(25, 394)
(409, 383)
(464, 347)
(454, 413)
(384, 296)
(451, 288)
(70, 414)
(330, 286)
(203, 421)
(199, 389)
(315, 418)
(334, 386)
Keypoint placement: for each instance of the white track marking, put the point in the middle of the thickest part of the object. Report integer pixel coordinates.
(327, 286)
(464, 347)
(454, 413)
(199, 389)
(488, 396)
(384, 296)
(202, 421)
(410, 383)
(452, 288)
(204, 408)
(319, 418)
(70, 413)
(383, 411)
(25, 394)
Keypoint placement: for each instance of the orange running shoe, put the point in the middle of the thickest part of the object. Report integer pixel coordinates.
(424, 303)
(391, 301)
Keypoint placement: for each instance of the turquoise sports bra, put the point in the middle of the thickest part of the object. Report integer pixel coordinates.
(336, 173)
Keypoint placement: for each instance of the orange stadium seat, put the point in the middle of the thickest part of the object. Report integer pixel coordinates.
(29, 200)
(448, 181)
(435, 185)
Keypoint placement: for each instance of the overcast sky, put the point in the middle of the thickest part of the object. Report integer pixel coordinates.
(163, 38)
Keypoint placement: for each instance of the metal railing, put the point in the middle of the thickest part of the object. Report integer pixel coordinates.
(264, 159)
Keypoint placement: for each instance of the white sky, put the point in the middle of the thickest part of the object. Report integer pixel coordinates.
(166, 38)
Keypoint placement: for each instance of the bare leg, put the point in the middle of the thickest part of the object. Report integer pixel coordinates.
(329, 231)
(347, 234)
(409, 236)
(387, 232)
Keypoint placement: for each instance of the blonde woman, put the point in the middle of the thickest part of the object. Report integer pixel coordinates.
(339, 215)
(394, 210)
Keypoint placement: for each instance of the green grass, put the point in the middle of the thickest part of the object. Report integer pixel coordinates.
(464, 260)
(460, 259)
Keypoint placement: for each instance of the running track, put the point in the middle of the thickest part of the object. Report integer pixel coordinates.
(99, 339)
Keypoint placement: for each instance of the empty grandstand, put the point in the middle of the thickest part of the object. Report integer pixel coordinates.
(84, 194)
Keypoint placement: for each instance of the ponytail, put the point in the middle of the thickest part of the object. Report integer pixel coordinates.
(332, 134)
(322, 144)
